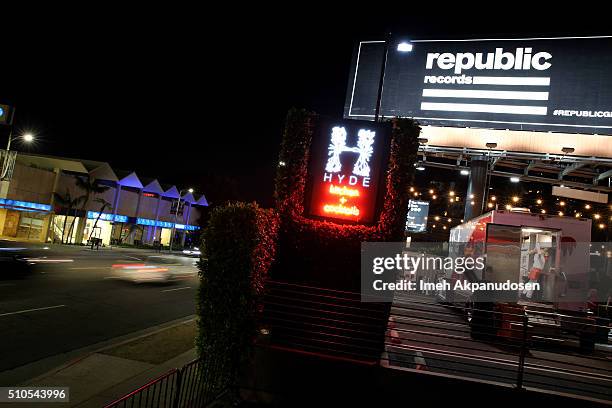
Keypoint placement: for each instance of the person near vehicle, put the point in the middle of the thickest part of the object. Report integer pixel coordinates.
(540, 256)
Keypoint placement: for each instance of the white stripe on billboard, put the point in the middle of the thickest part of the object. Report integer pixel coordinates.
(475, 107)
(489, 80)
(482, 94)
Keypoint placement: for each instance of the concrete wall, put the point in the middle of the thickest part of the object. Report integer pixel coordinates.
(148, 205)
(128, 202)
(164, 210)
(67, 182)
(194, 216)
(31, 184)
(108, 195)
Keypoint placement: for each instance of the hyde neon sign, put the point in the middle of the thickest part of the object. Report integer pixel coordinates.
(345, 169)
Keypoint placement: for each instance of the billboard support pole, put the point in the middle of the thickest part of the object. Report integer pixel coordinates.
(382, 77)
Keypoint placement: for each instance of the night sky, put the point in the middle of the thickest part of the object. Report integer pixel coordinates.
(198, 99)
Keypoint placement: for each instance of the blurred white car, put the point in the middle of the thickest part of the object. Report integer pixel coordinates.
(155, 269)
(195, 251)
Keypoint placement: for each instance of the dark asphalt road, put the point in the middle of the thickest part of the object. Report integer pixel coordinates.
(71, 301)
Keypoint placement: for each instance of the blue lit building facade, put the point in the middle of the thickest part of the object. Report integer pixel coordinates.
(133, 210)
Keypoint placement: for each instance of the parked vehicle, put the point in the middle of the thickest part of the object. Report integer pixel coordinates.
(552, 251)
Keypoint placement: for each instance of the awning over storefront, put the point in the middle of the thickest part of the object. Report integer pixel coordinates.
(166, 224)
(107, 217)
(23, 205)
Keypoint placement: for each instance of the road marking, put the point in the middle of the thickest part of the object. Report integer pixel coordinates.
(133, 257)
(31, 310)
(48, 260)
(88, 267)
(171, 290)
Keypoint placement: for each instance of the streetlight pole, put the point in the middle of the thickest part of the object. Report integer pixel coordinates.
(381, 79)
(10, 123)
(27, 137)
(178, 205)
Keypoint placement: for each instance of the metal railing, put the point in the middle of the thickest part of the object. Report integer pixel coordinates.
(506, 344)
(510, 345)
(178, 388)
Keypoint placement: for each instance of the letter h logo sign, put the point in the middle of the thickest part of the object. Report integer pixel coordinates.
(337, 146)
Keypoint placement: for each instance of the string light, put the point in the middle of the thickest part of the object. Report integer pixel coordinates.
(471, 195)
(562, 203)
(493, 198)
(587, 206)
(597, 216)
(490, 205)
(539, 201)
(561, 213)
(543, 211)
(411, 189)
(602, 226)
(434, 197)
(515, 199)
(431, 191)
(437, 218)
(451, 193)
(508, 207)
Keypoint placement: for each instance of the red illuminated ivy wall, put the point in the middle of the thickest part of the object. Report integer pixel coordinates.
(323, 252)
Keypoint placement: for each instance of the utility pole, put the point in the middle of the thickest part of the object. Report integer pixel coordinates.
(178, 205)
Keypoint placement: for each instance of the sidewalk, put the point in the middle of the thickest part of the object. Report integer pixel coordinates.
(107, 373)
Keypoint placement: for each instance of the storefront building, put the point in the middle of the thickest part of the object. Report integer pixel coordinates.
(43, 203)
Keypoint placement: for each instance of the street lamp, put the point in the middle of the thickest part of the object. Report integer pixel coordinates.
(178, 205)
(26, 137)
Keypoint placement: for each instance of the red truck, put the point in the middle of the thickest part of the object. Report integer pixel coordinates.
(521, 247)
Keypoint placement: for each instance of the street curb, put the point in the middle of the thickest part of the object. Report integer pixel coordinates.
(53, 364)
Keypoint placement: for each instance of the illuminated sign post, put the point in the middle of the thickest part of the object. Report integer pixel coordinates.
(348, 160)
(4, 114)
(416, 220)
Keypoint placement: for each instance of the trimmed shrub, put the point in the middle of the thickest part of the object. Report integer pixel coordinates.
(238, 248)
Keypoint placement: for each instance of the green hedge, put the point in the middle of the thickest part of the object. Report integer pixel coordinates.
(238, 248)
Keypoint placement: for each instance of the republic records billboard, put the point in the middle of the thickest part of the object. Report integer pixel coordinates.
(535, 84)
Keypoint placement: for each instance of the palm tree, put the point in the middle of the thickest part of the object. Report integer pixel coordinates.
(104, 204)
(68, 202)
(90, 186)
